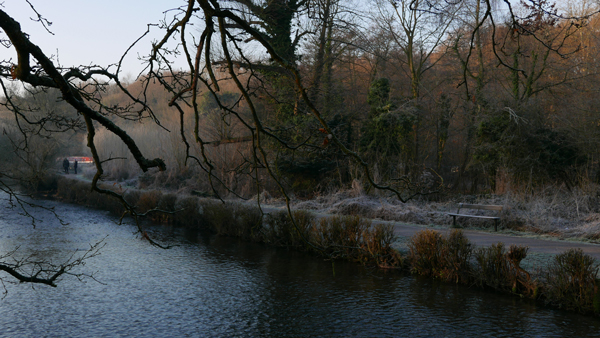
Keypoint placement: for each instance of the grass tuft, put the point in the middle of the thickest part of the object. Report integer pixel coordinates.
(572, 282)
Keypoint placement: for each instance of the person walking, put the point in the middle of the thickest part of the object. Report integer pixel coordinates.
(66, 165)
(75, 167)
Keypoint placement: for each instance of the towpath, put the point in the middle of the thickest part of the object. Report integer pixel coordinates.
(536, 243)
(542, 245)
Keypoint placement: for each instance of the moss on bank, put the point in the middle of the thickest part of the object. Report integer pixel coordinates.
(568, 282)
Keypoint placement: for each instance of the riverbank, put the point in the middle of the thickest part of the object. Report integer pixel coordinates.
(215, 286)
(450, 256)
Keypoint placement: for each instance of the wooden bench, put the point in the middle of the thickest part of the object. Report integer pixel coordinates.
(476, 207)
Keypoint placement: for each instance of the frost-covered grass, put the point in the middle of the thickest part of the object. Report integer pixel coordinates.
(551, 211)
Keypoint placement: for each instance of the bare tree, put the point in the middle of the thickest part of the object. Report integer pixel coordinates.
(419, 30)
(80, 88)
(522, 50)
(251, 48)
(220, 45)
(232, 33)
(31, 269)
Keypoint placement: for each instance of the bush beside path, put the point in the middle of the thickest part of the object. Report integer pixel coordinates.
(536, 244)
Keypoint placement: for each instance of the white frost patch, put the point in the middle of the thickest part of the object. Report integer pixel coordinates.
(551, 211)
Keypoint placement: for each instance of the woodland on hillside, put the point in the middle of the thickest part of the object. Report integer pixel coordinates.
(413, 97)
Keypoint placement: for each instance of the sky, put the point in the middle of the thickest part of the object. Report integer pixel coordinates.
(89, 31)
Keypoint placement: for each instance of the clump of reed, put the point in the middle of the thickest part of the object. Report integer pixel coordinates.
(232, 219)
(501, 270)
(281, 230)
(342, 236)
(454, 258)
(377, 246)
(571, 282)
(338, 237)
(166, 203)
(147, 201)
(160, 207)
(445, 257)
(132, 196)
(79, 192)
(163, 207)
(188, 212)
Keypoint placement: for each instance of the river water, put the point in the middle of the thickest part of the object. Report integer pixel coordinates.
(210, 286)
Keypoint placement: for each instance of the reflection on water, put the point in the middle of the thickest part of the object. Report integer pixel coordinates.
(220, 287)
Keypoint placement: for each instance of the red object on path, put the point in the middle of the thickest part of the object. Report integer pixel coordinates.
(80, 159)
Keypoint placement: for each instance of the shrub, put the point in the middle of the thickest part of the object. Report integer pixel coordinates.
(247, 221)
(188, 212)
(165, 203)
(132, 196)
(376, 246)
(425, 249)
(501, 270)
(456, 257)
(280, 229)
(148, 200)
(341, 236)
(493, 267)
(448, 258)
(218, 217)
(571, 282)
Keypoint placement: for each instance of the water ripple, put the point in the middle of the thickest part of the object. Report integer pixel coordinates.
(221, 287)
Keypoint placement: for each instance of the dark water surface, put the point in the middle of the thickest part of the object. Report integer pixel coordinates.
(220, 287)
